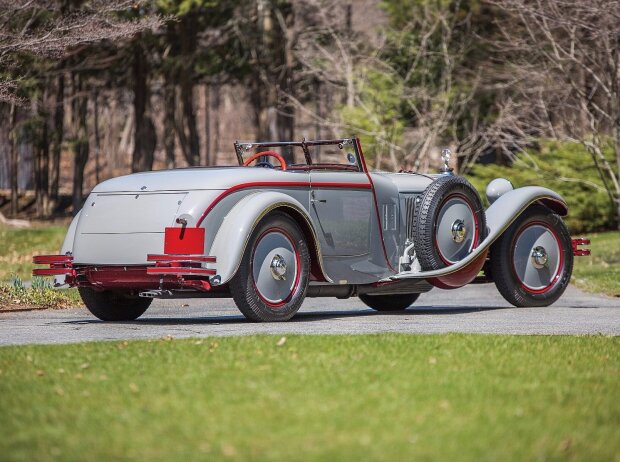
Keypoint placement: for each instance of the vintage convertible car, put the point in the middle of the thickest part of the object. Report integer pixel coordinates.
(318, 223)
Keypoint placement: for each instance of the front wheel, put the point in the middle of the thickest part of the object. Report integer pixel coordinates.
(395, 302)
(532, 262)
(113, 306)
(271, 282)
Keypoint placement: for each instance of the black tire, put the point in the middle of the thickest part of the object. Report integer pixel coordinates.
(503, 257)
(113, 306)
(396, 302)
(244, 288)
(435, 197)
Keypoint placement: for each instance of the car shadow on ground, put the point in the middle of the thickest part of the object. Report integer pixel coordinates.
(301, 317)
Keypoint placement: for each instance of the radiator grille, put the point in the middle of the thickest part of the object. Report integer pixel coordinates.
(409, 214)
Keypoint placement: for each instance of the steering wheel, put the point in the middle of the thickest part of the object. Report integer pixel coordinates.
(265, 163)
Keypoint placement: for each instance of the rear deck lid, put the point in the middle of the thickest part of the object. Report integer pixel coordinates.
(124, 213)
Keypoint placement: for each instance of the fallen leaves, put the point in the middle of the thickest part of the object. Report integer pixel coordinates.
(565, 445)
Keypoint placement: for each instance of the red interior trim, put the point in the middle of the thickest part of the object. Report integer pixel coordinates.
(277, 184)
(374, 195)
(253, 157)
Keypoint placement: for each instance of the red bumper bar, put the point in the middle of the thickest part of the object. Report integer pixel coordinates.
(59, 265)
(180, 265)
(580, 252)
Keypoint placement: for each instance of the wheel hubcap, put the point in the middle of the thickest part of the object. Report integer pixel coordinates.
(278, 268)
(459, 231)
(537, 257)
(455, 229)
(275, 267)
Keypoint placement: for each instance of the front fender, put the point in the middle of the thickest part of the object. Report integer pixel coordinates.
(500, 216)
(232, 237)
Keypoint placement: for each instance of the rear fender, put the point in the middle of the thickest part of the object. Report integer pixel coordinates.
(67, 245)
(234, 233)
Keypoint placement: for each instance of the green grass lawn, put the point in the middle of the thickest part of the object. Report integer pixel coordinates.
(375, 397)
(19, 245)
(600, 272)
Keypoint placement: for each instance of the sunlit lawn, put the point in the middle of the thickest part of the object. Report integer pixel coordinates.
(600, 272)
(17, 246)
(374, 397)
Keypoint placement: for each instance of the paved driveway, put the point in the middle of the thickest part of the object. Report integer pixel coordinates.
(471, 309)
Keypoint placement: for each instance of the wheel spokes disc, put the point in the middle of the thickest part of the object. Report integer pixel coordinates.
(275, 267)
(456, 230)
(537, 257)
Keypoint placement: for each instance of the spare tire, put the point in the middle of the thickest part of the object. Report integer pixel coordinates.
(449, 222)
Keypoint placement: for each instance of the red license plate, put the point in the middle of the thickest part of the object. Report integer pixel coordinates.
(184, 241)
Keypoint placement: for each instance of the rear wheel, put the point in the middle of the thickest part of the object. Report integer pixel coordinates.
(113, 306)
(532, 261)
(271, 282)
(396, 302)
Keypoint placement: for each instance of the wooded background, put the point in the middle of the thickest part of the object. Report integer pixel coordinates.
(95, 89)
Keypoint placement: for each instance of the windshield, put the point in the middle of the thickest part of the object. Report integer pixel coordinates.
(301, 155)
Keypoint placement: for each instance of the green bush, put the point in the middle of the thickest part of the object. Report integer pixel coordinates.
(566, 168)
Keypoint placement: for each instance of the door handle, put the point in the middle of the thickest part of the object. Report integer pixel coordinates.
(314, 200)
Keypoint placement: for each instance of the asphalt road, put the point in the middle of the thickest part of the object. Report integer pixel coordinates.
(471, 309)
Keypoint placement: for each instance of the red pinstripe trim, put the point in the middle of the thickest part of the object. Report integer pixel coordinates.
(374, 195)
(278, 184)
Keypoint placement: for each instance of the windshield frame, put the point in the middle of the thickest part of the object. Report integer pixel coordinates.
(244, 147)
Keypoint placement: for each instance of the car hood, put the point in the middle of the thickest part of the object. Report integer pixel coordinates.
(192, 179)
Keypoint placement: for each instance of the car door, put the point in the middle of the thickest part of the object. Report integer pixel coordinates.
(340, 207)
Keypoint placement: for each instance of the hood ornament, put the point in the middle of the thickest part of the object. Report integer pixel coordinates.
(445, 155)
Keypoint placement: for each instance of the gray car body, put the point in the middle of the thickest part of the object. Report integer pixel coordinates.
(357, 220)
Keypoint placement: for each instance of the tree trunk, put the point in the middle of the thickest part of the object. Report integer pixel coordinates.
(286, 110)
(215, 105)
(14, 162)
(169, 133)
(42, 159)
(96, 131)
(187, 129)
(81, 148)
(192, 151)
(144, 142)
(57, 136)
(207, 109)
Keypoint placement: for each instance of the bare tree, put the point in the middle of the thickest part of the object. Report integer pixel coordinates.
(565, 62)
(377, 90)
(26, 29)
